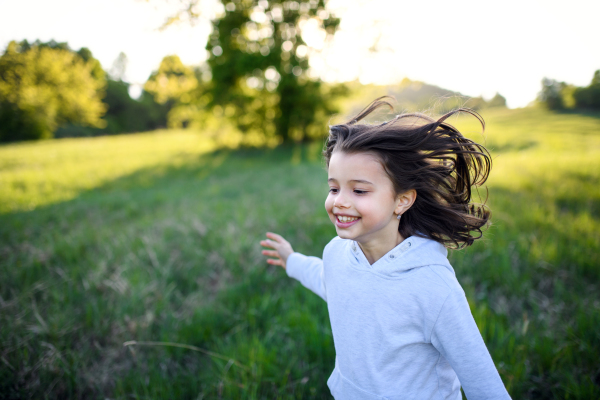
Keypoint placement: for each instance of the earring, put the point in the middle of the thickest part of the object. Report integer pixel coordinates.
(399, 216)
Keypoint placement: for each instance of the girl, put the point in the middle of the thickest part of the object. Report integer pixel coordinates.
(399, 195)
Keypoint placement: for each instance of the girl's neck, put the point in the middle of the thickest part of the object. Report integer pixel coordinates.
(375, 249)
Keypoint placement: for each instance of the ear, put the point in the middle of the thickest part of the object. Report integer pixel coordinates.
(405, 200)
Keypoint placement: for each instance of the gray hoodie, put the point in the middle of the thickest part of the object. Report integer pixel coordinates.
(402, 327)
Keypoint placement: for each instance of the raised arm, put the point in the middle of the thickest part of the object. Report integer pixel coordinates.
(308, 270)
(456, 336)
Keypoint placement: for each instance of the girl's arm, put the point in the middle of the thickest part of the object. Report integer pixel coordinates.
(308, 270)
(456, 336)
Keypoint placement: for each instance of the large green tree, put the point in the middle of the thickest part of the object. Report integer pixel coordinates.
(259, 64)
(43, 86)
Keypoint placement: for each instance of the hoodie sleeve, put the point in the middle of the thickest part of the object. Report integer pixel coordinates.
(309, 271)
(456, 336)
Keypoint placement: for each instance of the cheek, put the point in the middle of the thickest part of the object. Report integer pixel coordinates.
(329, 204)
(369, 210)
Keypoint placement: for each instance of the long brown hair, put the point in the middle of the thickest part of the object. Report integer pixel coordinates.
(432, 157)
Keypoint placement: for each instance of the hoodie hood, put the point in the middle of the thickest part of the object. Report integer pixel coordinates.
(413, 252)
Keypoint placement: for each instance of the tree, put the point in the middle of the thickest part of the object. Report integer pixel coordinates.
(175, 86)
(497, 101)
(123, 114)
(551, 94)
(43, 86)
(118, 68)
(259, 65)
(589, 96)
(172, 82)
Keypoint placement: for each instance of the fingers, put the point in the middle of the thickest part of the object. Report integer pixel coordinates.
(269, 243)
(270, 253)
(275, 242)
(276, 237)
(276, 262)
(273, 261)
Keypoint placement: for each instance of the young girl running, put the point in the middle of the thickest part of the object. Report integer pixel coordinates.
(399, 195)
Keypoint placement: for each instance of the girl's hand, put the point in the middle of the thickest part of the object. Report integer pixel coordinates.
(281, 252)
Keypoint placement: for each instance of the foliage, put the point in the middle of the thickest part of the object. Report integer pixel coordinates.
(551, 94)
(173, 81)
(559, 95)
(150, 237)
(497, 101)
(175, 86)
(119, 67)
(123, 114)
(259, 65)
(44, 85)
(589, 97)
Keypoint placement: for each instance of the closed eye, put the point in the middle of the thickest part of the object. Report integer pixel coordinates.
(357, 191)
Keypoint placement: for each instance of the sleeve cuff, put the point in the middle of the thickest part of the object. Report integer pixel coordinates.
(293, 266)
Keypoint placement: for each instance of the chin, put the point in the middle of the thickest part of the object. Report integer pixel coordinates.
(344, 234)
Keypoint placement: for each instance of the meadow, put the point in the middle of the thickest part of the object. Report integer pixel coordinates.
(130, 265)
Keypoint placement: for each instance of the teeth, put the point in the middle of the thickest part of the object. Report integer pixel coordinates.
(343, 218)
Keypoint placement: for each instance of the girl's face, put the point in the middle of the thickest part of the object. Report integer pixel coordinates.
(362, 203)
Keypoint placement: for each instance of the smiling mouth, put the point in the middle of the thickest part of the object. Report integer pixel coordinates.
(345, 219)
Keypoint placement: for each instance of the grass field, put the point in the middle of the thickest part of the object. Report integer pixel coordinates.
(154, 237)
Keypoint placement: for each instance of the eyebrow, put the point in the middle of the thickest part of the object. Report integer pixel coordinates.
(352, 180)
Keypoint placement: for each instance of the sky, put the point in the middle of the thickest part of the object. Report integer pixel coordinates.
(474, 47)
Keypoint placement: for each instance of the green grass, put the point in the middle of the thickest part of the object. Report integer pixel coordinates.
(46, 172)
(153, 237)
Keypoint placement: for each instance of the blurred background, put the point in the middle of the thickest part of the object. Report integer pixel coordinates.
(147, 146)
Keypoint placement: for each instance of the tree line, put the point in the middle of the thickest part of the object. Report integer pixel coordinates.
(255, 82)
(557, 95)
(49, 90)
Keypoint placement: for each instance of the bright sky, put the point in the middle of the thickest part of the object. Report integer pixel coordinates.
(475, 47)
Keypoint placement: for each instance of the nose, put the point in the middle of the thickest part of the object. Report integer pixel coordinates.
(341, 201)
